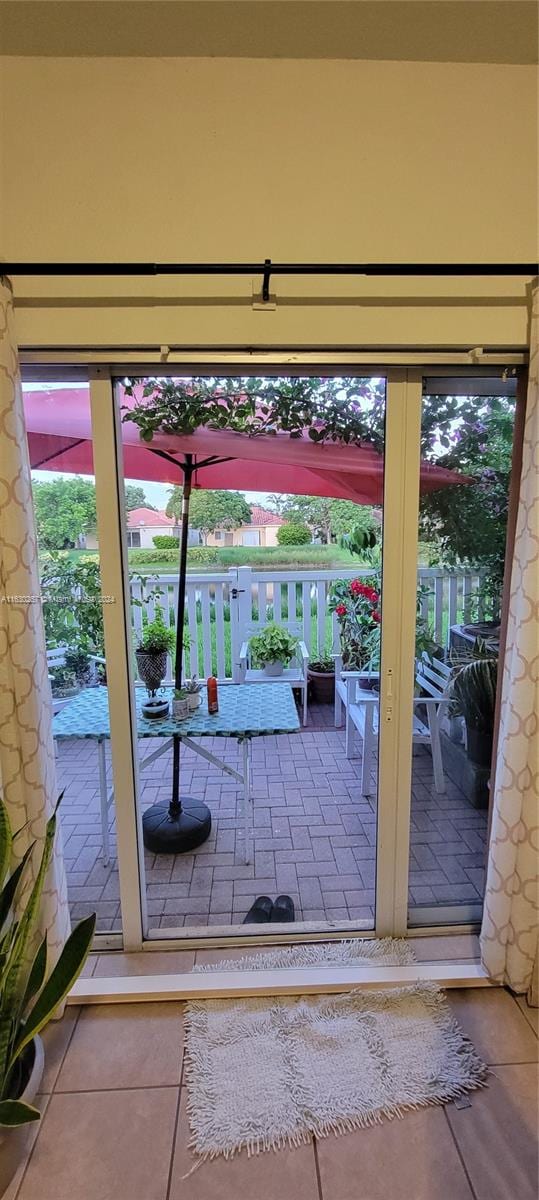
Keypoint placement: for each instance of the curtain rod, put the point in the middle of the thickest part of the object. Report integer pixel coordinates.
(267, 269)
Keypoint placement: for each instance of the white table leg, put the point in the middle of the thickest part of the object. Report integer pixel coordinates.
(103, 800)
(436, 749)
(368, 748)
(247, 802)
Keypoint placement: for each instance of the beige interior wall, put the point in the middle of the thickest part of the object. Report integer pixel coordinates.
(201, 160)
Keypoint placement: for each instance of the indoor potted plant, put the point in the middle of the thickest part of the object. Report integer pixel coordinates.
(273, 648)
(27, 999)
(193, 689)
(156, 641)
(473, 692)
(321, 676)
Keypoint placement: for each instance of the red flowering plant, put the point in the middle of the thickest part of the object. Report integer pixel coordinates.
(356, 603)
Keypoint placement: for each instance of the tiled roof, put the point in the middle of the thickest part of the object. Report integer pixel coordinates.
(148, 516)
(262, 516)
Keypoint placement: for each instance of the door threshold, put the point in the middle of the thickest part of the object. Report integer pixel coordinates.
(212, 985)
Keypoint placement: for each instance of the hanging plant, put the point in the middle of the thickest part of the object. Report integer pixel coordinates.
(327, 409)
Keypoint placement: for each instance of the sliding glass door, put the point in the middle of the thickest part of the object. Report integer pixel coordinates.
(359, 796)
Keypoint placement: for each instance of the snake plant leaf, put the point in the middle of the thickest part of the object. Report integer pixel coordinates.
(6, 841)
(61, 979)
(36, 976)
(12, 974)
(10, 887)
(17, 1112)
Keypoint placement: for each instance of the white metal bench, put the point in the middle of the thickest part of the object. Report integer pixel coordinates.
(362, 708)
(295, 674)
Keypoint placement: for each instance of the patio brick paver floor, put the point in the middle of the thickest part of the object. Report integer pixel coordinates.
(314, 835)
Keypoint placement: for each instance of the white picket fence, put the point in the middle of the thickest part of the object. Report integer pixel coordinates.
(221, 606)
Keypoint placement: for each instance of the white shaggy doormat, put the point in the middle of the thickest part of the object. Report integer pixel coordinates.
(263, 1073)
(380, 952)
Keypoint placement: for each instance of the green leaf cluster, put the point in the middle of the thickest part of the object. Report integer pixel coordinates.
(28, 999)
(337, 410)
(273, 644)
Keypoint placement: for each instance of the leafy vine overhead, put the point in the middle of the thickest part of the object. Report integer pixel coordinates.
(328, 410)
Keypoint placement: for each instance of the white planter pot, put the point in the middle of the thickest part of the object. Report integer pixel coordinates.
(193, 701)
(14, 1141)
(273, 668)
(180, 709)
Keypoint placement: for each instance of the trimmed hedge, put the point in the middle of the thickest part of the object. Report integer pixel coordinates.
(293, 535)
(165, 541)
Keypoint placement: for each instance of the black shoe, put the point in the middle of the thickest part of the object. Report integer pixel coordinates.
(283, 909)
(259, 912)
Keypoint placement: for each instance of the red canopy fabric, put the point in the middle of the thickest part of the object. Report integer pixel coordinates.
(59, 432)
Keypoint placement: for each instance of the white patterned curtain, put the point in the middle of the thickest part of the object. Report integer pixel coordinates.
(27, 766)
(509, 934)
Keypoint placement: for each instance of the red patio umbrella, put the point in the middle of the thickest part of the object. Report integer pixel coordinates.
(59, 432)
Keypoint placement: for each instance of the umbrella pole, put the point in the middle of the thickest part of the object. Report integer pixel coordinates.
(186, 822)
(175, 803)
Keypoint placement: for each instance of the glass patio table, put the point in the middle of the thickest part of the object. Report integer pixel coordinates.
(246, 711)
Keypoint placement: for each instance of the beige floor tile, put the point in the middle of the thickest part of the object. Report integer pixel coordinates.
(531, 1014)
(495, 1025)
(156, 962)
(41, 1102)
(123, 1046)
(497, 1136)
(436, 949)
(410, 1159)
(103, 1146)
(284, 1175)
(56, 1038)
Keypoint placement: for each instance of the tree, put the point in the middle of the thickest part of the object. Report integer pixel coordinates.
(135, 497)
(65, 509)
(293, 535)
(326, 518)
(466, 526)
(211, 510)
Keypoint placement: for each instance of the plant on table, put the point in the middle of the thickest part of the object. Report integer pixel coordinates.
(156, 641)
(28, 999)
(273, 648)
(193, 689)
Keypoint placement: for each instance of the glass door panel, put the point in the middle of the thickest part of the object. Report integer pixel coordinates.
(61, 445)
(312, 805)
(466, 429)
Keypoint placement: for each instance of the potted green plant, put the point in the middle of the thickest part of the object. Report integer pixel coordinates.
(473, 693)
(156, 641)
(273, 648)
(64, 683)
(321, 676)
(193, 689)
(356, 603)
(180, 704)
(27, 999)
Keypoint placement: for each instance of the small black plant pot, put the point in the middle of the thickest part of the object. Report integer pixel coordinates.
(479, 746)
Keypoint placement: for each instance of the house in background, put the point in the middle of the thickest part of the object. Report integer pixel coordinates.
(261, 531)
(144, 524)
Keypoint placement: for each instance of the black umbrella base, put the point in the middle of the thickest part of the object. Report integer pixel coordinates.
(163, 834)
